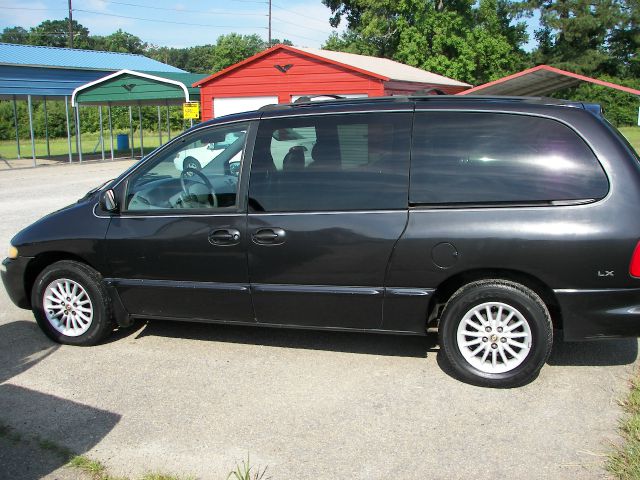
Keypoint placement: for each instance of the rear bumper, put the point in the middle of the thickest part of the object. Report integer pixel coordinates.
(12, 273)
(595, 314)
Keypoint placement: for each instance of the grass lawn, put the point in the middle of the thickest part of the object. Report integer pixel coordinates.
(58, 146)
(633, 135)
(624, 461)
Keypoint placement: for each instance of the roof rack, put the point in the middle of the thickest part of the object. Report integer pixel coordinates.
(436, 91)
(420, 96)
(309, 98)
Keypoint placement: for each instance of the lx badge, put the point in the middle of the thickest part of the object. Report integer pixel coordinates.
(606, 273)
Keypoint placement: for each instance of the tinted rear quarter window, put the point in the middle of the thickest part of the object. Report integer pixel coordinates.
(487, 158)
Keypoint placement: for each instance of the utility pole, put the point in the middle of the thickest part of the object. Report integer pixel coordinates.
(269, 22)
(70, 25)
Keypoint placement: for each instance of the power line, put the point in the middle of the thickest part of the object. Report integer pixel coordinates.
(165, 21)
(297, 36)
(296, 25)
(30, 9)
(299, 14)
(183, 10)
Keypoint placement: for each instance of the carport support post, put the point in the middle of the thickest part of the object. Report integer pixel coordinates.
(141, 134)
(101, 132)
(78, 134)
(46, 126)
(33, 140)
(159, 126)
(66, 111)
(110, 128)
(15, 122)
(168, 123)
(131, 130)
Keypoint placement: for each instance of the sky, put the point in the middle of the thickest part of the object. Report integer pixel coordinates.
(181, 23)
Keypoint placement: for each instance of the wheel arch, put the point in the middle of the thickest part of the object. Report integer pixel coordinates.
(42, 261)
(447, 288)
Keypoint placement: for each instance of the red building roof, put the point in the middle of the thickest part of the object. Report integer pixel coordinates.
(379, 68)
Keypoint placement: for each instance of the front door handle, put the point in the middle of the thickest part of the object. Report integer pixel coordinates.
(224, 236)
(269, 236)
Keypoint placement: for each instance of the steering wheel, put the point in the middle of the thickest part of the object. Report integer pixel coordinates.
(188, 175)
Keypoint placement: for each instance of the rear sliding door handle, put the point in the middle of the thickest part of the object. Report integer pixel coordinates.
(269, 236)
(224, 236)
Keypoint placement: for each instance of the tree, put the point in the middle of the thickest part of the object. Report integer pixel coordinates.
(467, 40)
(574, 33)
(14, 35)
(55, 33)
(119, 41)
(624, 40)
(233, 48)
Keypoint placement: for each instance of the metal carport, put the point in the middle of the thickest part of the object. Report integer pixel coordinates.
(30, 73)
(135, 88)
(539, 81)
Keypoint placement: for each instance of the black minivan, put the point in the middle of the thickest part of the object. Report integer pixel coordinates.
(496, 221)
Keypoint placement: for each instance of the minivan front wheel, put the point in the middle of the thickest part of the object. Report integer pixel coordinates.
(71, 305)
(496, 333)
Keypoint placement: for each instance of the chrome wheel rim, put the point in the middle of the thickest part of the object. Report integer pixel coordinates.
(494, 337)
(67, 307)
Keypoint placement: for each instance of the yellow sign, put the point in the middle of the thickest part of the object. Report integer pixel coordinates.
(191, 110)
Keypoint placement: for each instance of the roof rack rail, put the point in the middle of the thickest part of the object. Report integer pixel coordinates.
(427, 91)
(274, 106)
(309, 98)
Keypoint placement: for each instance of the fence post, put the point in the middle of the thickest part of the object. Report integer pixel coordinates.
(33, 140)
(110, 128)
(15, 122)
(46, 126)
(66, 112)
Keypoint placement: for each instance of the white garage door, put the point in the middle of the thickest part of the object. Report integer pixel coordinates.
(226, 106)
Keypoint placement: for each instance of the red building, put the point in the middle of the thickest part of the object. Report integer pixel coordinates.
(281, 74)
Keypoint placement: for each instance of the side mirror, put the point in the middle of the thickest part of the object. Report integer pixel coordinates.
(108, 201)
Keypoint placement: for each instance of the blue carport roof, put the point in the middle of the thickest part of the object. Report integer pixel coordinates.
(49, 71)
(43, 82)
(53, 57)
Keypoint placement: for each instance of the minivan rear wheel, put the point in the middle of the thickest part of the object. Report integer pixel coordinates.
(71, 305)
(496, 333)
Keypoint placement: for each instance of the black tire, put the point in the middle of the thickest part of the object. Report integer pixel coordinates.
(191, 162)
(525, 304)
(100, 325)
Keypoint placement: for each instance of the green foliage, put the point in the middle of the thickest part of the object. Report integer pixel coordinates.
(89, 119)
(55, 33)
(119, 41)
(620, 108)
(245, 472)
(14, 35)
(593, 37)
(624, 461)
(227, 50)
(633, 136)
(470, 41)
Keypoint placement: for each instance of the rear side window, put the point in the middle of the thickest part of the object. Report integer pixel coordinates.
(486, 158)
(331, 163)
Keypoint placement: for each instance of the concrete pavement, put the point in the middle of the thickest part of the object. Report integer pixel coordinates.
(194, 399)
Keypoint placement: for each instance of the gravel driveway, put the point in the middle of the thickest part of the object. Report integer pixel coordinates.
(193, 399)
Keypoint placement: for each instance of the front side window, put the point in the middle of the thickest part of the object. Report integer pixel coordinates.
(200, 172)
(331, 163)
(485, 158)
